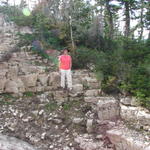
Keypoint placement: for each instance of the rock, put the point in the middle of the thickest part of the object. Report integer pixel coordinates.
(129, 101)
(43, 78)
(77, 120)
(89, 125)
(77, 88)
(92, 93)
(12, 72)
(11, 87)
(3, 73)
(43, 135)
(86, 143)
(54, 80)
(57, 121)
(91, 99)
(10, 143)
(123, 140)
(135, 115)
(107, 108)
(20, 85)
(2, 84)
(91, 83)
(29, 80)
(25, 30)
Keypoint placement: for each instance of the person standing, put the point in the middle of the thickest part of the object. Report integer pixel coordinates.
(65, 65)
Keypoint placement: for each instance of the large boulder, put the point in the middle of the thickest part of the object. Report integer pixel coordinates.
(11, 87)
(11, 143)
(92, 93)
(54, 80)
(136, 115)
(29, 80)
(2, 84)
(43, 78)
(107, 108)
(123, 139)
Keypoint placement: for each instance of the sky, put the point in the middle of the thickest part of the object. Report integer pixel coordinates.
(133, 22)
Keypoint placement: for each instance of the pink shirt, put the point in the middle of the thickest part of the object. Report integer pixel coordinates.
(65, 62)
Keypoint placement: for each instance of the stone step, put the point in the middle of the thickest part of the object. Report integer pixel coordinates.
(126, 139)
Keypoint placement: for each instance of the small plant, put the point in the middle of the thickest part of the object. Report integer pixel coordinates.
(28, 94)
(52, 106)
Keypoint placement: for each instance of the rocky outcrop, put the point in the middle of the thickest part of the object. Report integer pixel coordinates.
(9, 143)
(136, 116)
(125, 139)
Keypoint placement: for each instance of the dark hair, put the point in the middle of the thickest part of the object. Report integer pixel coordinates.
(65, 50)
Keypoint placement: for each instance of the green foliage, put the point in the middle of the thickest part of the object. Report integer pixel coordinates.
(52, 106)
(28, 94)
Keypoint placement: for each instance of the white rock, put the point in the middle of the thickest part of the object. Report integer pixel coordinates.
(92, 93)
(9, 143)
(77, 120)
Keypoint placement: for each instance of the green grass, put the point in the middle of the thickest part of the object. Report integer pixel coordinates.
(7, 99)
(52, 106)
(28, 94)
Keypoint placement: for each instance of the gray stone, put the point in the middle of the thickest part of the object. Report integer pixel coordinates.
(77, 88)
(91, 99)
(2, 84)
(91, 93)
(43, 78)
(136, 115)
(54, 80)
(107, 108)
(77, 120)
(11, 143)
(29, 80)
(129, 101)
(89, 125)
(11, 87)
(125, 141)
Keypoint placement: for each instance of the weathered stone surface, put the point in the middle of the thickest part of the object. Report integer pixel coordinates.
(125, 141)
(91, 99)
(12, 72)
(135, 115)
(77, 120)
(2, 84)
(91, 83)
(107, 108)
(29, 80)
(92, 93)
(89, 125)
(78, 88)
(129, 101)
(20, 85)
(54, 80)
(11, 87)
(25, 30)
(43, 78)
(11, 143)
(3, 73)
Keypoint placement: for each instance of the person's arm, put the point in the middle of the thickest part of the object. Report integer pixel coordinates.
(59, 63)
(70, 62)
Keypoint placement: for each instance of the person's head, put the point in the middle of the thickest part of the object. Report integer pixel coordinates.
(65, 52)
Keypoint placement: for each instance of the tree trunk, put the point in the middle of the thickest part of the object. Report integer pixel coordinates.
(127, 18)
(71, 33)
(141, 20)
(110, 20)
